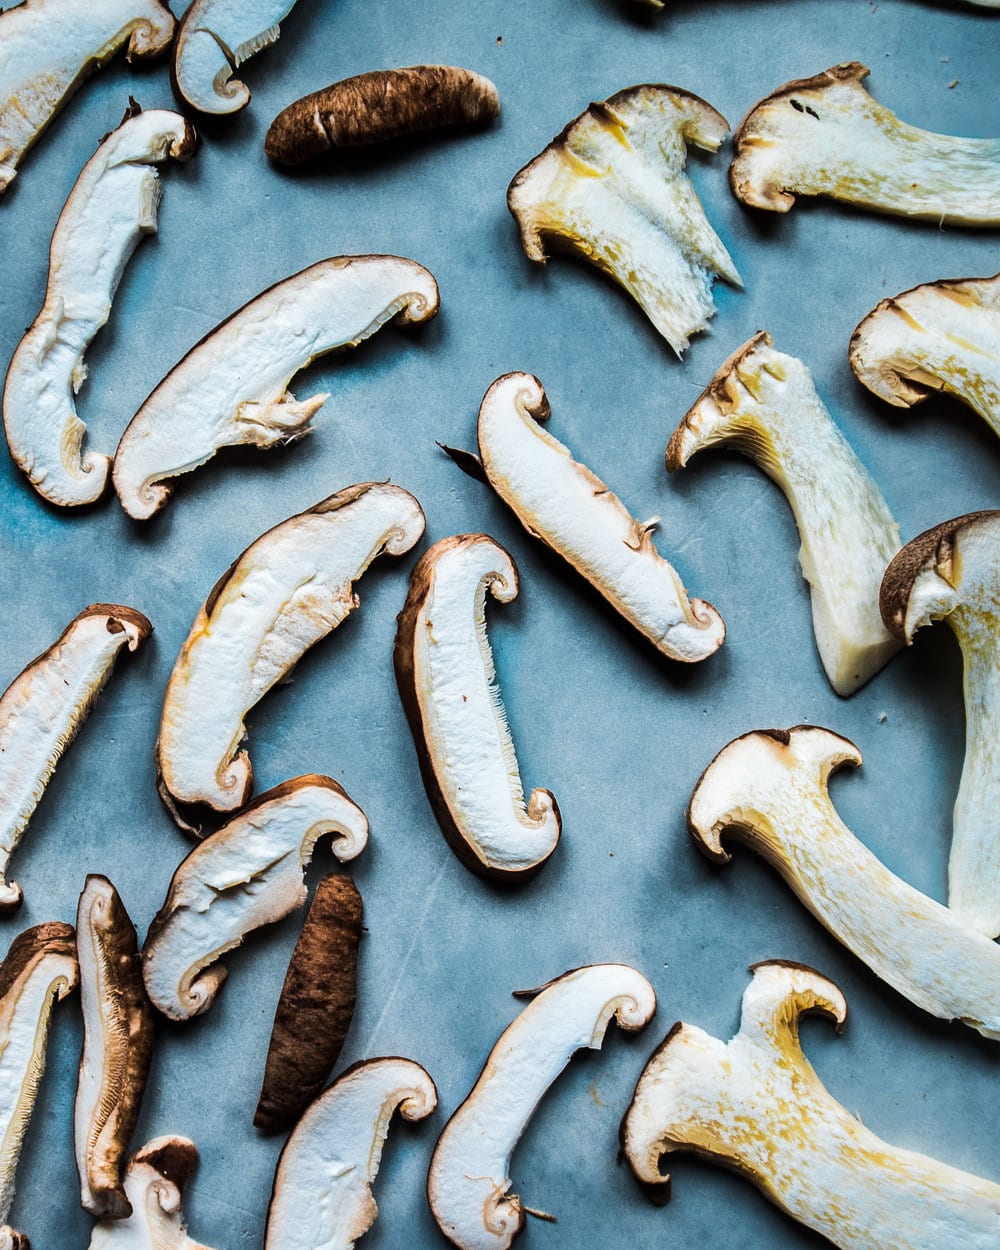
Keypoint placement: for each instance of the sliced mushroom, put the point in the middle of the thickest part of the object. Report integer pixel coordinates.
(826, 136)
(756, 1105)
(444, 669)
(42, 710)
(111, 207)
(322, 1197)
(155, 1181)
(289, 589)
(469, 1174)
(232, 388)
(764, 404)
(249, 873)
(612, 187)
(769, 790)
(117, 1047)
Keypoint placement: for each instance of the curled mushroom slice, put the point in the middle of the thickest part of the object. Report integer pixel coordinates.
(155, 1182)
(249, 873)
(756, 1105)
(289, 589)
(111, 207)
(612, 187)
(826, 136)
(444, 668)
(468, 1179)
(322, 1197)
(42, 710)
(232, 388)
(764, 404)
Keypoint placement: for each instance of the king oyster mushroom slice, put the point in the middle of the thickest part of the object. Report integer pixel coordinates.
(469, 1173)
(232, 388)
(322, 1197)
(612, 187)
(444, 669)
(769, 790)
(574, 513)
(42, 710)
(111, 207)
(756, 1105)
(764, 404)
(289, 589)
(826, 136)
(249, 873)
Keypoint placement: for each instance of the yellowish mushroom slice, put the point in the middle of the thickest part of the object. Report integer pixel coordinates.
(469, 1173)
(289, 589)
(764, 404)
(612, 187)
(322, 1198)
(825, 135)
(232, 388)
(111, 207)
(249, 873)
(42, 710)
(756, 1105)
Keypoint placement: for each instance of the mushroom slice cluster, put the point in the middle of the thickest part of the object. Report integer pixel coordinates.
(764, 404)
(42, 709)
(825, 135)
(231, 389)
(447, 682)
(112, 205)
(249, 873)
(756, 1106)
(289, 589)
(469, 1173)
(612, 188)
(322, 1197)
(154, 1183)
(768, 789)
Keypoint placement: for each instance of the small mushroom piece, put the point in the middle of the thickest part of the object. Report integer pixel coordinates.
(42, 710)
(574, 513)
(826, 136)
(764, 404)
(289, 589)
(322, 1197)
(447, 682)
(756, 1106)
(469, 1174)
(249, 873)
(112, 205)
(612, 187)
(232, 388)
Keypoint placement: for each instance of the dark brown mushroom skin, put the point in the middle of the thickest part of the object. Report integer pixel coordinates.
(51, 938)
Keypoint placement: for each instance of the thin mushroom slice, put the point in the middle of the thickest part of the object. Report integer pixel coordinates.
(289, 589)
(764, 404)
(612, 187)
(756, 1106)
(825, 135)
(469, 1173)
(322, 1197)
(447, 682)
(232, 388)
(249, 873)
(112, 205)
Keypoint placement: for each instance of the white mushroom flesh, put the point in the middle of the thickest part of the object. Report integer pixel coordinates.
(154, 1183)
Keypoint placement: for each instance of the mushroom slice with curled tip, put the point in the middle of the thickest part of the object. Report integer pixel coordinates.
(42, 710)
(612, 187)
(289, 589)
(444, 669)
(249, 873)
(322, 1197)
(764, 404)
(111, 207)
(468, 1179)
(756, 1106)
(155, 1182)
(232, 388)
(826, 136)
